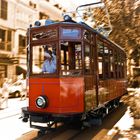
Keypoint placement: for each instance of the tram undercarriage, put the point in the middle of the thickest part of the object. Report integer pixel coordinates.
(47, 122)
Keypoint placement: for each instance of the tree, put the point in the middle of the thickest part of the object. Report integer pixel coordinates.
(124, 18)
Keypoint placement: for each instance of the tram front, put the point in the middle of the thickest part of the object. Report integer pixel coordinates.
(55, 75)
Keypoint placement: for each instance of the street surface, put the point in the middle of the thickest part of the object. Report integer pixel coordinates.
(118, 125)
(11, 127)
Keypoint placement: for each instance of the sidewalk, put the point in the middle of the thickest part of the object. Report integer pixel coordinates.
(14, 107)
(125, 128)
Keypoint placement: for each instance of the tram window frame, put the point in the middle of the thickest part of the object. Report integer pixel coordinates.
(68, 50)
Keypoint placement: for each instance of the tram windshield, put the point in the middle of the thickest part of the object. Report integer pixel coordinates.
(44, 59)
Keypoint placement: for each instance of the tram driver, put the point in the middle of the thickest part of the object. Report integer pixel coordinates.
(49, 65)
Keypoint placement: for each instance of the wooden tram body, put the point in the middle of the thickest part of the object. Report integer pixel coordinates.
(90, 72)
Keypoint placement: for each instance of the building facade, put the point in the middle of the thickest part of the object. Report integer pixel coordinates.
(15, 18)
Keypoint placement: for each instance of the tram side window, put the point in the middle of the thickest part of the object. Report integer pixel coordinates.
(116, 63)
(100, 58)
(123, 66)
(119, 65)
(71, 58)
(111, 64)
(106, 63)
(87, 55)
(44, 59)
(78, 57)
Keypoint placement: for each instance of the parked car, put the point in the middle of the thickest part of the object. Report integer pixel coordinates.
(17, 89)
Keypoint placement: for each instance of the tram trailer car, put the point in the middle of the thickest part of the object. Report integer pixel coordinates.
(90, 74)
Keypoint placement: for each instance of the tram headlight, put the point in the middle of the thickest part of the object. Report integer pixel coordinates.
(41, 101)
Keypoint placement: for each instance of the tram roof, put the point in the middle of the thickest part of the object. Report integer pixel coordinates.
(81, 24)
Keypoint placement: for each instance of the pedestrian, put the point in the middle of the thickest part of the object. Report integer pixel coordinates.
(5, 93)
(23, 93)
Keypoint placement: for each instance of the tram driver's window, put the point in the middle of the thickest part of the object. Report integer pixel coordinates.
(44, 59)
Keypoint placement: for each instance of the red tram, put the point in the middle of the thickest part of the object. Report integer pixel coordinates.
(89, 75)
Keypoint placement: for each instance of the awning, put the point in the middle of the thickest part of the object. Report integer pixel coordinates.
(21, 69)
